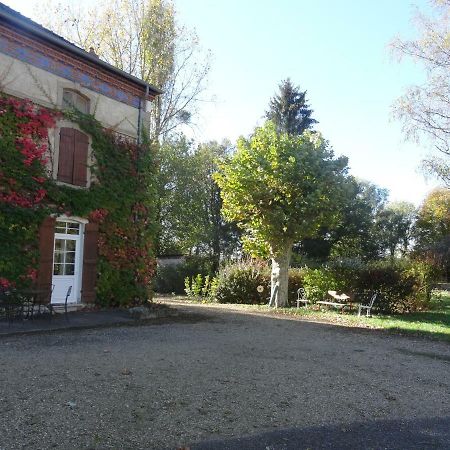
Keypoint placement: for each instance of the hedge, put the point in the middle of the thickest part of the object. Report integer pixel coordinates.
(404, 285)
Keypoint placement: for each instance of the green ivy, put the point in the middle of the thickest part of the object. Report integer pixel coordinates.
(122, 199)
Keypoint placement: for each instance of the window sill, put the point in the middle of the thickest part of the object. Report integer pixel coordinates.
(74, 186)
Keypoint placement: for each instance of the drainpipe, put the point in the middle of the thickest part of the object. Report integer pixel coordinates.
(139, 123)
(140, 118)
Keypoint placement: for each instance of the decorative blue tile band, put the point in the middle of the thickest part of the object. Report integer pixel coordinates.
(65, 69)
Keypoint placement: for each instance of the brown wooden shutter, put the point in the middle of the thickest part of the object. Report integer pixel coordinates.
(89, 262)
(46, 242)
(66, 154)
(80, 158)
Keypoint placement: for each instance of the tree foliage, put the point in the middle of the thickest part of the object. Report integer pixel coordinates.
(432, 229)
(289, 109)
(190, 200)
(143, 38)
(368, 229)
(425, 109)
(394, 228)
(354, 235)
(280, 188)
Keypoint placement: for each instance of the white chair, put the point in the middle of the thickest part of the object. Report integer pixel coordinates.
(52, 305)
(368, 307)
(301, 297)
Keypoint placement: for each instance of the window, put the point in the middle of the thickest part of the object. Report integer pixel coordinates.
(66, 238)
(67, 228)
(64, 257)
(72, 99)
(73, 154)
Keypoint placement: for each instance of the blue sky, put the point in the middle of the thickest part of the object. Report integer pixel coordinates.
(336, 50)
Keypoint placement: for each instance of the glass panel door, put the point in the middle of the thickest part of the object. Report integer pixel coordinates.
(67, 261)
(64, 257)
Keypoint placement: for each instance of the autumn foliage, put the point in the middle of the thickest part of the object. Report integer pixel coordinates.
(121, 200)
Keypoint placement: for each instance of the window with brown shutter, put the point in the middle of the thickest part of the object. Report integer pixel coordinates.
(73, 155)
(80, 157)
(66, 151)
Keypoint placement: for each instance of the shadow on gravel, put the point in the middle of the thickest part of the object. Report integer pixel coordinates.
(381, 434)
(79, 321)
(394, 331)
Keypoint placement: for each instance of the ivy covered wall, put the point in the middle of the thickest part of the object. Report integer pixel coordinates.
(122, 200)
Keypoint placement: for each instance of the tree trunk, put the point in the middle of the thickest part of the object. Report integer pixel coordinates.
(279, 277)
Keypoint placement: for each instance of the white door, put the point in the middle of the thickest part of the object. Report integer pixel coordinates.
(67, 261)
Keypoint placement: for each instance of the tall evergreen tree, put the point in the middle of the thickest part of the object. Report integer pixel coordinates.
(289, 109)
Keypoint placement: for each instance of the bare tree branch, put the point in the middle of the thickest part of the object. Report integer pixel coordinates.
(425, 110)
(140, 37)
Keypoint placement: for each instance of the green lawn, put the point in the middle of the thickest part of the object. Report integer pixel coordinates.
(433, 323)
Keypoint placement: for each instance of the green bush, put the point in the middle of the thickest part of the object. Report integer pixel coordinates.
(317, 282)
(170, 279)
(404, 285)
(198, 286)
(239, 282)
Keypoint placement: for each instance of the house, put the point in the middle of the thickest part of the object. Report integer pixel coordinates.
(39, 65)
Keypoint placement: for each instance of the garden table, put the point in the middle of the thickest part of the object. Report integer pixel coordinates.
(35, 301)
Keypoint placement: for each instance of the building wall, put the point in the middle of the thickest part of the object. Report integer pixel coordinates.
(38, 69)
(164, 261)
(23, 80)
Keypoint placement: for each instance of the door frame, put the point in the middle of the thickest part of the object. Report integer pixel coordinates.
(76, 289)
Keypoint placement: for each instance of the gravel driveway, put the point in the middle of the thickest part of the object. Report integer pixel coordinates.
(216, 374)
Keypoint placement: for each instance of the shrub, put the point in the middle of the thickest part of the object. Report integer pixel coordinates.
(318, 281)
(197, 286)
(404, 285)
(345, 272)
(238, 283)
(170, 279)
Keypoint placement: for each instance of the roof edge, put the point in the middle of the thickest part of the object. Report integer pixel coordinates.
(15, 18)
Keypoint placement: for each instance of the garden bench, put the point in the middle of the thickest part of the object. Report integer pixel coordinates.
(342, 301)
(335, 304)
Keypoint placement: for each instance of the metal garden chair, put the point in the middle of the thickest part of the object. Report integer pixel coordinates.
(53, 305)
(301, 297)
(368, 307)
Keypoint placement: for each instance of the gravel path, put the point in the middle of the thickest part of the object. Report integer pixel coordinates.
(217, 375)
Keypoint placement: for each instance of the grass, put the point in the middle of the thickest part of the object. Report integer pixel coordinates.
(434, 323)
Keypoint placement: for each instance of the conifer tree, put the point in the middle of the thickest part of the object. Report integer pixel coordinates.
(289, 109)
